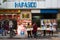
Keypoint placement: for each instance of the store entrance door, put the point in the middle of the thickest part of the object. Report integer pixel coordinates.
(36, 18)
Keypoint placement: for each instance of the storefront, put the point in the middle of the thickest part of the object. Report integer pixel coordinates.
(44, 14)
(23, 12)
(25, 16)
(36, 17)
(10, 14)
(49, 16)
(18, 17)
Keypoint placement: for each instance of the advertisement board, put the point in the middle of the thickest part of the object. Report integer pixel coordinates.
(21, 31)
(49, 24)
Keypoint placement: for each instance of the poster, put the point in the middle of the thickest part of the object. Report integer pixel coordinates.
(48, 24)
(21, 31)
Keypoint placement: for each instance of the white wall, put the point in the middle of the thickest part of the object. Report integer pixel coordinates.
(58, 3)
(40, 3)
(35, 11)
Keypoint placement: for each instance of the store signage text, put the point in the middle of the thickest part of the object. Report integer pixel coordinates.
(25, 4)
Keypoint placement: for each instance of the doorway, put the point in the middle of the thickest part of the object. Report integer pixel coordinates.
(36, 18)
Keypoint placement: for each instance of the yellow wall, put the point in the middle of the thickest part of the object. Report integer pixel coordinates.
(58, 16)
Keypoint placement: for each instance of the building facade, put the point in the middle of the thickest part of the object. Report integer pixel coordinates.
(24, 11)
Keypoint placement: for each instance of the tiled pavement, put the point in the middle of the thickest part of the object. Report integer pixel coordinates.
(40, 38)
(33, 39)
(52, 38)
(55, 37)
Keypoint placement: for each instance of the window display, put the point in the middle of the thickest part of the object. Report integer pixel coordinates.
(48, 24)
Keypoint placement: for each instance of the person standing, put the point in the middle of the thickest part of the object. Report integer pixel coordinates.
(29, 31)
(2, 27)
(5, 29)
(11, 28)
(34, 30)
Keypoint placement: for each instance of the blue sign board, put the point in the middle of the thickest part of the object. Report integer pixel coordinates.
(49, 11)
(25, 4)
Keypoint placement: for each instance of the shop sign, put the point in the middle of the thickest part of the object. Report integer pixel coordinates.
(25, 4)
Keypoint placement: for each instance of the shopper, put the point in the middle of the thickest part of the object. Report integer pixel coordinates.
(29, 31)
(35, 30)
(6, 29)
(2, 27)
(11, 28)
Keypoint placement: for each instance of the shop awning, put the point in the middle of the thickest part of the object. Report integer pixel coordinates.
(54, 11)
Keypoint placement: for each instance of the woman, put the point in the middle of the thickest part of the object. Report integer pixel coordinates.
(35, 30)
(29, 31)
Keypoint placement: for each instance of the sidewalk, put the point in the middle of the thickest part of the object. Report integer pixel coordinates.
(39, 36)
(54, 37)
